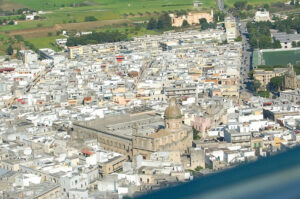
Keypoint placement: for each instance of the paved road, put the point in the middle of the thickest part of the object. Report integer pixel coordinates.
(246, 50)
(221, 5)
(246, 56)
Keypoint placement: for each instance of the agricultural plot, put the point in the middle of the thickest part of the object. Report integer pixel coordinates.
(256, 2)
(46, 4)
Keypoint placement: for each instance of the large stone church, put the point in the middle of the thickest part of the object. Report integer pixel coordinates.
(291, 80)
(173, 137)
(138, 133)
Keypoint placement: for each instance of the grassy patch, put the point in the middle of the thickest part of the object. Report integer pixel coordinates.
(47, 4)
(253, 2)
(265, 94)
(3, 44)
(45, 42)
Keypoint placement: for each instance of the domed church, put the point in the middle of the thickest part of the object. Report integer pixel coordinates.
(174, 137)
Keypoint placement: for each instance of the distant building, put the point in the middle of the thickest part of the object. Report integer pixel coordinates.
(61, 42)
(28, 56)
(231, 29)
(29, 17)
(191, 18)
(47, 53)
(291, 80)
(262, 16)
(264, 76)
(291, 96)
(285, 39)
(172, 138)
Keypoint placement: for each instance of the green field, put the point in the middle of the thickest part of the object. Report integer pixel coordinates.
(46, 4)
(3, 44)
(45, 42)
(256, 2)
(277, 58)
(71, 13)
(120, 6)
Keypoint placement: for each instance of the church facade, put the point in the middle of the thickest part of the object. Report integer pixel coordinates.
(290, 80)
(174, 137)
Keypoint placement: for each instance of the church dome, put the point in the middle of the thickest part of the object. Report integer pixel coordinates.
(173, 110)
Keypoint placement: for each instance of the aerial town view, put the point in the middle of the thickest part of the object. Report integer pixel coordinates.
(112, 99)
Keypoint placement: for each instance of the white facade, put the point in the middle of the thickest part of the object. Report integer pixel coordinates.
(262, 16)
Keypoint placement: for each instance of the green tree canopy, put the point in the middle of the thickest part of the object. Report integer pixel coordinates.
(152, 24)
(90, 18)
(240, 5)
(275, 83)
(10, 50)
(185, 23)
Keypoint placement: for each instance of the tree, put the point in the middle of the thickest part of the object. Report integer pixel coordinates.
(90, 18)
(19, 38)
(152, 24)
(49, 34)
(160, 25)
(255, 85)
(240, 5)
(10, 50)
(185, 23)
(275, 83)
(22, 17)
(294, 44)
(249, 7)
(96, 38)
(11, 22)
(238, 39)
(266, 6)
(219, 16)
(250, 74)
(297, 3)
(276, 44)
(195, 134)
(292, 2)
(164, 22)
(204, 24)
(198, 168)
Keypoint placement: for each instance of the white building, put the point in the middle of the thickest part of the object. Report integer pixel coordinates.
(231, 29)
(262, 16)
(28, 56)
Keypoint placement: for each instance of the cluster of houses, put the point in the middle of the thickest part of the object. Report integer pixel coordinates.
(45, 96)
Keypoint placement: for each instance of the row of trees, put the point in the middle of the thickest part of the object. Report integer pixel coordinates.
(260, 36)
(96, 38)
(205, 25)
(295, 44)
(147, 13)
(293, 2)
(291, 23)
(15, 12)
(90, 18)
(162, 23)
